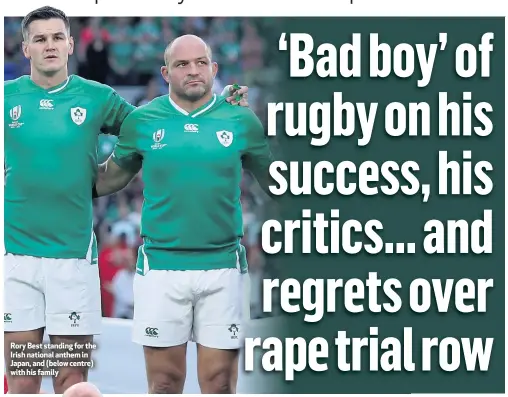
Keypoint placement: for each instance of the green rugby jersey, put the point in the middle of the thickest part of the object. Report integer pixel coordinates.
(50, 148)
(192, 169)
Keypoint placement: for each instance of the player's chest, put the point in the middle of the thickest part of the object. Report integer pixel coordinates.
(193, 141)
(64, 118)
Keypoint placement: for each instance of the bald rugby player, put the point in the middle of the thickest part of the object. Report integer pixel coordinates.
(51, 125)
(191, 266)
(82, 389)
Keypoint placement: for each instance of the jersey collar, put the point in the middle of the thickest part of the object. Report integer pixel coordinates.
(202, 109)
(53, 90)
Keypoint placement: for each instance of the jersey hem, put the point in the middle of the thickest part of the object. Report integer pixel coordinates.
(187, 266)
(160, 259)
(45, 255)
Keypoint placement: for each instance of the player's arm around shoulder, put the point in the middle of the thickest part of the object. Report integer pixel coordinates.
(123, 164)
(236, 95)
(115, 109)
(111, 178)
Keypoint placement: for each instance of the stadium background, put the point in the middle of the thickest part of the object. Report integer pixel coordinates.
(126, 53)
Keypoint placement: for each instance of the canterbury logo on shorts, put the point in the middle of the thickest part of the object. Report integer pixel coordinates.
(152, 332)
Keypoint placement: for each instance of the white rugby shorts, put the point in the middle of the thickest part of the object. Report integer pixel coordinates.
(62, 295)
(205, 306)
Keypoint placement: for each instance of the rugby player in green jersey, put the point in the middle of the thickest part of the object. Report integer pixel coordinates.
(51, 126)
(192, 147)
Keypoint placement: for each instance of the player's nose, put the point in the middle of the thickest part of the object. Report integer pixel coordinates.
(193, 70)
(50, 45)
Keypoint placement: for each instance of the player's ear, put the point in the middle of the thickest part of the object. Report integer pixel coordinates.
(164, 73)
(71, 45)
(26, 52)
(215, 68)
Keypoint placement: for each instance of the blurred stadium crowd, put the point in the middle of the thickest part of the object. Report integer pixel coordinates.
(126, 53)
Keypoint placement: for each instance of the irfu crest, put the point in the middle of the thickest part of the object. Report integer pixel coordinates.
(78, 115)
(225, 137)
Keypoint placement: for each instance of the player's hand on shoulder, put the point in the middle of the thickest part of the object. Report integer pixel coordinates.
(238, 95)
